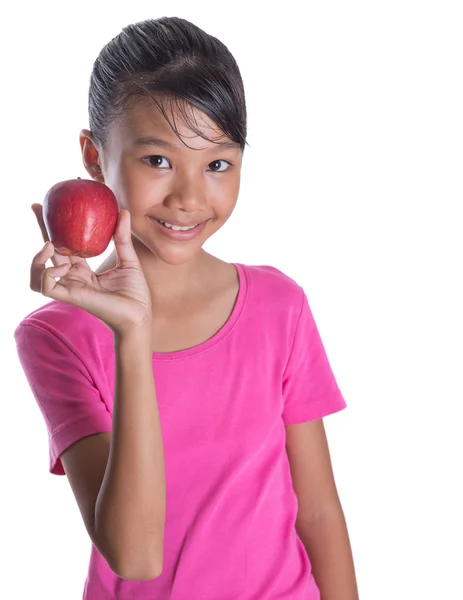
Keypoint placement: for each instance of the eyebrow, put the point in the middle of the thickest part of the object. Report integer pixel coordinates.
(153, 141)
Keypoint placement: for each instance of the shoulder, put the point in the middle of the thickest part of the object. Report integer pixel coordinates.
(274, 286)
(274, 299)
(61, 321)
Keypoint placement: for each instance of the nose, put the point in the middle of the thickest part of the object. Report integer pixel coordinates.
(188, 194)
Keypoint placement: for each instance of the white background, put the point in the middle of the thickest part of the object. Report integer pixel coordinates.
(352, 186)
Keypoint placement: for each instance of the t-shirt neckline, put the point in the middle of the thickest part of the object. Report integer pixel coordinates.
(223, 331)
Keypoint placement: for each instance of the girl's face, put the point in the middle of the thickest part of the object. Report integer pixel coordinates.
(163, 179)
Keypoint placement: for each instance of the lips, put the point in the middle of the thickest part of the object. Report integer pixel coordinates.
(178, 235)
(177, 223)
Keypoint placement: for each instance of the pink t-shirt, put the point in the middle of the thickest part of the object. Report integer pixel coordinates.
(223, 406)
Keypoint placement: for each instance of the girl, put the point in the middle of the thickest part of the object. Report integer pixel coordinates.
(184, 395)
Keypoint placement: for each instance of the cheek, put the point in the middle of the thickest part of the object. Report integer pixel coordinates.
(226, 196)
(140, 191)
(224, 206)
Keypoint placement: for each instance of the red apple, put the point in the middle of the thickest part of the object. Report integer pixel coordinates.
(80, 216)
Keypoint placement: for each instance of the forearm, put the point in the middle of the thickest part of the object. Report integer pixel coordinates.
(326, 541)
(130, 508)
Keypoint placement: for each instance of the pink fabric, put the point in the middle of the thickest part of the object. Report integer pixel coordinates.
(223, 406)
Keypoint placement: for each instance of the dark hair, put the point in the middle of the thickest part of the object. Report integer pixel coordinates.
(177, 61)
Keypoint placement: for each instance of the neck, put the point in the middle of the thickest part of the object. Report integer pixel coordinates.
(169, 282)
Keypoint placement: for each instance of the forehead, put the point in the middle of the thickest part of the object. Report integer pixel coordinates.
(144, 120)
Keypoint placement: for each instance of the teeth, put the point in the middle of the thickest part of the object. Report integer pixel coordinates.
(175, 227)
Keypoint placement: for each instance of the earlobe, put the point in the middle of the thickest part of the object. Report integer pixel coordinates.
(97, 174)
(90, 156)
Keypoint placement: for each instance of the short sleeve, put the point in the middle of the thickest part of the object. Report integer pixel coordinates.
(65, 393)
(310, 389)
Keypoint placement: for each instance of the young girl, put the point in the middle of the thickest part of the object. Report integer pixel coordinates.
(184, 395)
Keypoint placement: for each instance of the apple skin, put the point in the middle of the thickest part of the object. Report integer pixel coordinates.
(80, 216)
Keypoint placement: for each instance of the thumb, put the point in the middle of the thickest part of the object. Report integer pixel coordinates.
(123, 240)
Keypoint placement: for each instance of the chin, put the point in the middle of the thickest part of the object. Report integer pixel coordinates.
(172, 253)
(179, 257)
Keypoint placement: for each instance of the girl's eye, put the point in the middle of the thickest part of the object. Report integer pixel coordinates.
(157, 158)
(219, 161)
(158, 161)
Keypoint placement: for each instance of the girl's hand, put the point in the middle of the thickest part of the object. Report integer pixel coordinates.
(120, 296)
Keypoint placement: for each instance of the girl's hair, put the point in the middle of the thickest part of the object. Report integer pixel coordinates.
(177, 61)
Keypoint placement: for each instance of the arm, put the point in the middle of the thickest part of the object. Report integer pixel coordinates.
(130, 508)
(320, 521)
(121, 492)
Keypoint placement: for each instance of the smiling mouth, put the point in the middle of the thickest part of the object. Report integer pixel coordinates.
(177, 227)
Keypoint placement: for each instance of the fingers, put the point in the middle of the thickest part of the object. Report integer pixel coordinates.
(38, 266)
(37, 210)
(50, 287)
(56, 259)
(123, 240)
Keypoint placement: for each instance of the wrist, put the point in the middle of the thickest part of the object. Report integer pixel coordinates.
(139, 335)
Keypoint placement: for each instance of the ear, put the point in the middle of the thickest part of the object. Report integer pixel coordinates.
(90, 156)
